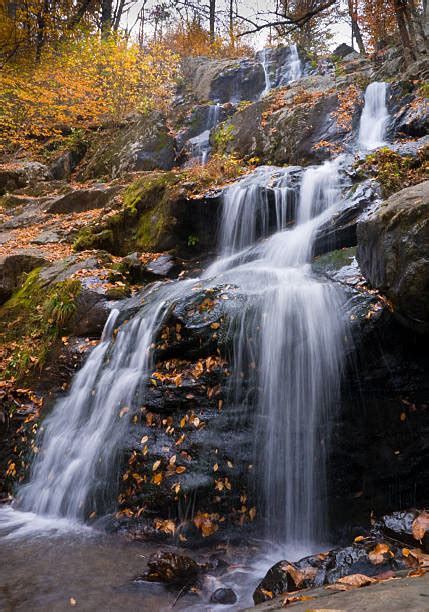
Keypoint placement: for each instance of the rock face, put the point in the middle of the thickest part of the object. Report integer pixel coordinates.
(21, 175)
(393, 253)
(299, 128)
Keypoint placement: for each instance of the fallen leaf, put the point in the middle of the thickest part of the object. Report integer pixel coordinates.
(156, 465)
(288, 600)
(420, 525)
(351, 582)
(180, 469)
(377, 555)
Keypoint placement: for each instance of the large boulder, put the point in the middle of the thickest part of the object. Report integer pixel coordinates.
(80, 200)
(224, 80)
(21, 174)
(393, 253)
(143, 143)
(302, 125)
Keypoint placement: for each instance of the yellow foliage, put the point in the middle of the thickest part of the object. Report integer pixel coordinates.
(193, 39)
(81, 85)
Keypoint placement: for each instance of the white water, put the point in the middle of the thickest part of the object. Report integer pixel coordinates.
(296, 332)
(290, 72)
(374, 118)
(264, 64)
(293, 70)
(200, 145)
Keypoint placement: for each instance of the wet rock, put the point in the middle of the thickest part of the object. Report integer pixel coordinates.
(412, 119)
(162, 267)
(80, 200)
(370, 557)
(223, 596)
(399, 526)
(12, 269)
(171, 568)
(393, 253)
(340, 231)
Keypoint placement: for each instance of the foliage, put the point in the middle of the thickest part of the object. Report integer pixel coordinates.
(33, 319)
(192, 39)
(80, 85)
(394, 171)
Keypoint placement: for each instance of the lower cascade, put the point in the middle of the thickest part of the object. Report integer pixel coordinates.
(297, 345)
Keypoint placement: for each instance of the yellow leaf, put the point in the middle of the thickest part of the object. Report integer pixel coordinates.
(156, 465)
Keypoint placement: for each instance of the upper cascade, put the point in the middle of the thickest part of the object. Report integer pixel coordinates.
(281, 66)
(375, 117)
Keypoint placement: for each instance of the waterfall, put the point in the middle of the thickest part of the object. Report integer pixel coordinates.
(75, 473)
(374, 118)
(264, 64)
(200, 145)
(287, 73)
(293, 70)
(291, 326)
(290, 329)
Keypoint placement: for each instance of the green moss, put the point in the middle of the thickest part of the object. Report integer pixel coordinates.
(141, 220)
(334, 260)
(33, 319)
(222, 137)
(394, 171)
(423, 90)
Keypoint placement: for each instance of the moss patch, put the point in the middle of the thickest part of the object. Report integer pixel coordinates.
(32, 320)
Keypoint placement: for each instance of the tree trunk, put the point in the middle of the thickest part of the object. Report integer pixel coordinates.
(118, 15)
(41, 30)
(231, 22)
(212, 20)
(106, 17)
(400, 9)
(356, 33)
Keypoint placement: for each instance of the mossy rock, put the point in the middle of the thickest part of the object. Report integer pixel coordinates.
(33, 319)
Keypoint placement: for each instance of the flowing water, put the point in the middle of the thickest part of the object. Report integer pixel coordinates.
(200, 145)
(288, 73)
(288, 337)
(374, 118)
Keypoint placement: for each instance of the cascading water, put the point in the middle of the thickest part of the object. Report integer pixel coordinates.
(288, 73)
(293, 70)
(374, 118)
(200, 145)
(264, 64)
(291, 327)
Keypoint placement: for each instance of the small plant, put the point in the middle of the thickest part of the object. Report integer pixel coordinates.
(193, 240)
